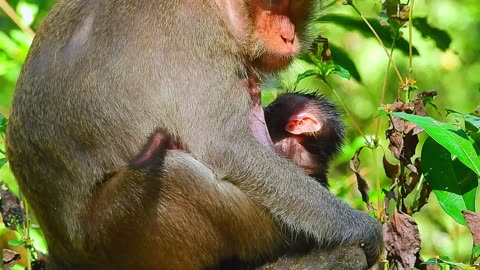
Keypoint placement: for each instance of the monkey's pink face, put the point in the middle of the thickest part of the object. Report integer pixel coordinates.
(275, 32)
(267, 27)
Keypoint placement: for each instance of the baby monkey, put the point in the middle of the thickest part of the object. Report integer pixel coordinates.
(303, 128)
(306, 129)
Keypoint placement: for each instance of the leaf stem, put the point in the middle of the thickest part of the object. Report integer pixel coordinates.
(350, 3)
(344, 106)
(410, 40)
(377, 183)
(15, 18)
(384, 90)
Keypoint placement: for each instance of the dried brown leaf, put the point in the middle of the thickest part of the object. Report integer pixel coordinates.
(400, 106)
(391, 170)
(424, 195)
(402, 240)
(418, 107)
(10, 258)
(409, 126)
(429, 93)
(412, 168)
(10, 209)
(410, 143)
(398, 124)
(396, 144)
(473, 223)
(413, 179)
(363, 186)
(414, 175)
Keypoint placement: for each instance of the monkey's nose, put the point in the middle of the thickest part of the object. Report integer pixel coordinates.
(288, 39)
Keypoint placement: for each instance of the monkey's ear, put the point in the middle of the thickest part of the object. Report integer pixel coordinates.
(303, 123)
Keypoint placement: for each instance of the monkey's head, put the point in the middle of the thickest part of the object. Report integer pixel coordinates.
(270, 30)
(295, 116)
(310, 120)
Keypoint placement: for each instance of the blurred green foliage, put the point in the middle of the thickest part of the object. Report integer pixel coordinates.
(449, 68)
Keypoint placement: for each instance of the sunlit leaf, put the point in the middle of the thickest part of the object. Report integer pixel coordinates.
(476, 251)
(7, 44)
(27, 12)
(444, 260)
(22, 39)
(3, 124)
(16, 243)
(3, 161)
(341, 57)
(452, 182)
(453, 139)
(7, 177)
(472, 119)
(306, 74)
(39, 240)
(358, 25)
(340, 71)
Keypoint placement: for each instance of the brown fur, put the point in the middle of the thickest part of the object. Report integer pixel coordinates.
(101, 77)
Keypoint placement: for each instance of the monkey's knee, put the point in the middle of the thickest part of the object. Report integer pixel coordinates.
(214, 214)
(347, 257)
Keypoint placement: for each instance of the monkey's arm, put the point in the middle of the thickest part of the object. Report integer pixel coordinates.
(294, 198)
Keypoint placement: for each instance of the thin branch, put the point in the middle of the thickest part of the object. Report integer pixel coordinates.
(380, 41)
(14, 16)
(410, 40)
(377, 183)
(350, 116)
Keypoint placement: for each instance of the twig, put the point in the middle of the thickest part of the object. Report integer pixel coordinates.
(14, 16)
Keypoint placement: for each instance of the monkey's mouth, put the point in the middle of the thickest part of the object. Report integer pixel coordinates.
(274, 62)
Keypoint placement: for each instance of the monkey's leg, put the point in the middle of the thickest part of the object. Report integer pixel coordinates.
(180, 217)
(339, 258)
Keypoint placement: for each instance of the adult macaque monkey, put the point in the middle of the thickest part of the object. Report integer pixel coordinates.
(103, 75)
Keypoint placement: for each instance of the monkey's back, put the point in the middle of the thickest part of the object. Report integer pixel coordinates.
(84, 105)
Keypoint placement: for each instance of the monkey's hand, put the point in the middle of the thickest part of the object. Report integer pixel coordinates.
(370, 237)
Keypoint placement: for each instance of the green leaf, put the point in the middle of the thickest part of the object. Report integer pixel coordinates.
(452, 182)
(444, 260)
(3, 161)
(453, 139)
(16, 243)
(352, 24)
(341, 57)
(6, 176)
(306, 74)
(3, 124)
(23, 41)
(8, 45)
(476, 251)
(453, 203)
(311, 58)
(38, 240)
(340, 71)
(472, 119)
(472, 125)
